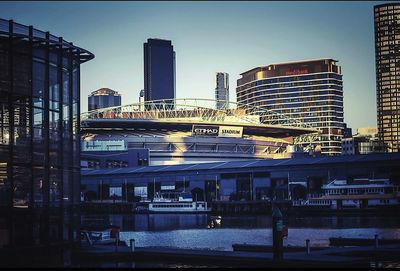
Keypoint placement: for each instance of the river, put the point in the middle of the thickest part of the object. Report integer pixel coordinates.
(192, 231)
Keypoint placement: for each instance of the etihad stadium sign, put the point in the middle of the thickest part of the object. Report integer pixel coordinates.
(214, 130)
(205, 130)
(230, 131)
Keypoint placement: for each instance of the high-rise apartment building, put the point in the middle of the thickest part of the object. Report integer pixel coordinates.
(103, 98)
(159, 70)
(222, 90)
(307, 91)
(387, 61)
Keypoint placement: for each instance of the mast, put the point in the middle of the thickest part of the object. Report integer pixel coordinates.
(288, 185)
(216, 191)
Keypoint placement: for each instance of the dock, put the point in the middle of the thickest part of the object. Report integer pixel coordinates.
(263, 248)
(360, 241)
(334, 257)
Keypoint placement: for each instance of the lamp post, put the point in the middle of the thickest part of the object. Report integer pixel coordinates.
(277, 233)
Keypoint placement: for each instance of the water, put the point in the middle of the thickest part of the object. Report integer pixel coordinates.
(191, 230)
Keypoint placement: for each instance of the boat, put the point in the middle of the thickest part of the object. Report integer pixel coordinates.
(101, 235)
(183, 204)
(360, 193)
(214, 221)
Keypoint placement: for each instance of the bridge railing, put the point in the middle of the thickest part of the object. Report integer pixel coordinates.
(203, 109)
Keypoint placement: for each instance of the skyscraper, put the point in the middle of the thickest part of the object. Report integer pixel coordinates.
(387, 61)
(159, 70)
(102, 98)
(222, 90)
(308, 91)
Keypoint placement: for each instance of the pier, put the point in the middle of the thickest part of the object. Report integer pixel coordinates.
(360, 257)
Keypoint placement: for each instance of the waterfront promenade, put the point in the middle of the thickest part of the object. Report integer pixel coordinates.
(331, 257)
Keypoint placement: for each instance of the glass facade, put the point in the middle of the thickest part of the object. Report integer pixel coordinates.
(159, 70)
(39, 136)
(309, 91)
(103, 98)
(387, 60)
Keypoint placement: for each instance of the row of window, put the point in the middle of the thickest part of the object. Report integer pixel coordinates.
(303, 91)
(267, 85)
(282, 93)
(338, 109)
(172, 206)
(292, 84)
(276, 100)
(298, 105)
(354, 191)
(292, 79)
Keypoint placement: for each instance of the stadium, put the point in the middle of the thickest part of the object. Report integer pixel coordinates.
(183, 131)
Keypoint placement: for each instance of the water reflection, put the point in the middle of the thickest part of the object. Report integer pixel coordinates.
(195, 230)
(168, 222)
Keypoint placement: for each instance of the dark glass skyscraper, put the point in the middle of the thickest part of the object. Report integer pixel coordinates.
(159, 70)
(102, 98)
(39, 140)
(387, 61)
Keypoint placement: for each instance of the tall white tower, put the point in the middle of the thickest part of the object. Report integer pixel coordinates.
(141, 100)
(222, 90)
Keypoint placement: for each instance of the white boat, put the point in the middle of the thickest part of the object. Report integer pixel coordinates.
(184, 204)
(100, 235)
(357, 194)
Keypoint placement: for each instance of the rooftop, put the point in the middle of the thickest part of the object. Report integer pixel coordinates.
(104, 91)
(29, 33)
(246, 164)
(288, 63)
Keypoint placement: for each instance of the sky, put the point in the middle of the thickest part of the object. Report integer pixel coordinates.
(210, 37)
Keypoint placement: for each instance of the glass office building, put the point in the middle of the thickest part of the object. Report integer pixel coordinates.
(102, 98)
(307, 91)
(387, 61)
(39, 137)
(159, 70)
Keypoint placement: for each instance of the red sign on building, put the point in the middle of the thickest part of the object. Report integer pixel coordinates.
(297, 71)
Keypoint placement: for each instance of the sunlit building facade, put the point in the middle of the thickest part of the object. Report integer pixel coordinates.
(307, 91)
(387, 60)
(39, 137)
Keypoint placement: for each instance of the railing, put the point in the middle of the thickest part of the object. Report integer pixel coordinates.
(315, 196)
(311, 202)
(203, 109)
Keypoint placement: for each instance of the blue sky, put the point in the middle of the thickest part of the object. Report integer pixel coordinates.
(212, 36)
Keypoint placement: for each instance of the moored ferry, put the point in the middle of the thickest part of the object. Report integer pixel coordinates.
(184, 203)
(356, 194)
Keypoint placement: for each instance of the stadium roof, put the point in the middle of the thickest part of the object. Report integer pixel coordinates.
(248, 128)
(234, 166)
(188, 111)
